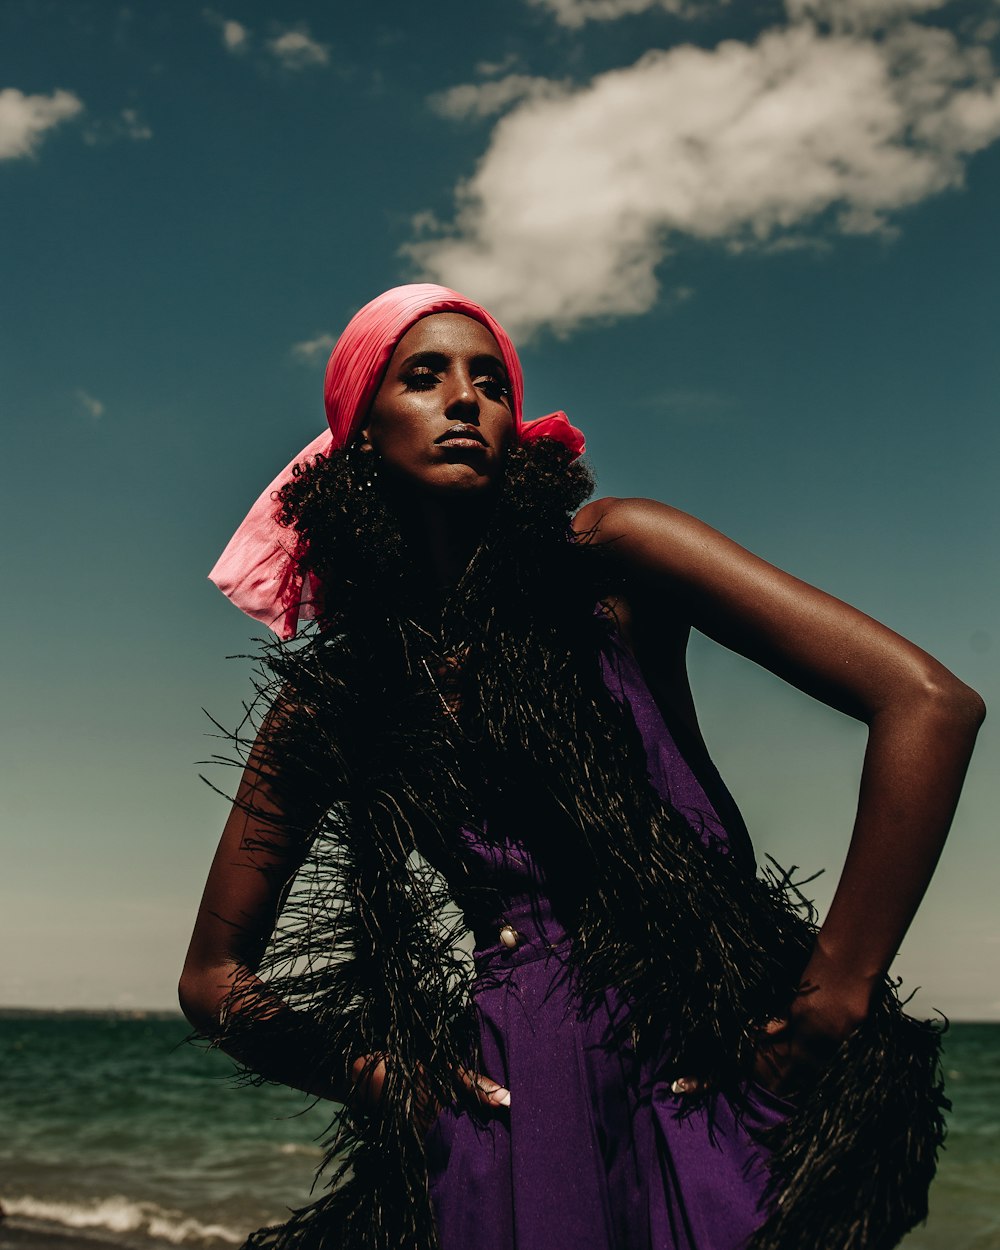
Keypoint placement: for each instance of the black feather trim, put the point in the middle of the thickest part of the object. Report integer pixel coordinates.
(852, 1167)
(403, 721)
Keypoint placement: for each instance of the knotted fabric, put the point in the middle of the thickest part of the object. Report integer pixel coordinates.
(259, 570)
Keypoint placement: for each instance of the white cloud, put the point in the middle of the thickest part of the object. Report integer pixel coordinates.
(24, 119)
(841, 14)
(132, 126)
(580, 196)
(296, 49)
(858, 14)
(235, 36)
(483, 99)
(987, 30)
(574, 13)
(127, 125)
(310, 350)
(493, 69)
(93, 407)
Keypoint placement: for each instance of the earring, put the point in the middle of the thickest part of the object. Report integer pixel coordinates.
(372, 475)
(370, 467)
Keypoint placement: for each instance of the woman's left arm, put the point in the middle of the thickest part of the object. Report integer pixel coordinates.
(922, 724)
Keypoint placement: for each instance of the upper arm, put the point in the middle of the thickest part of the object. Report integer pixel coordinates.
(809, 638)
(259, 852)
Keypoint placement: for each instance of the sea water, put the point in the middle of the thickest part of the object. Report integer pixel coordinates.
(116, 1129)
(113, 1130)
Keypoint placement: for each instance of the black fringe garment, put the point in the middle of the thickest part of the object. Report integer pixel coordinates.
(397, 746)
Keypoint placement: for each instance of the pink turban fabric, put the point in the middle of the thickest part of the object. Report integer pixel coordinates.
(258, 570)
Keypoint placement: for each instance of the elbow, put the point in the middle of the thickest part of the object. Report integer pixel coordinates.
(199, 995)
(951, 701)
(190, 997)
(976, 707)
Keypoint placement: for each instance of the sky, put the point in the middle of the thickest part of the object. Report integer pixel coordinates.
(751, 249)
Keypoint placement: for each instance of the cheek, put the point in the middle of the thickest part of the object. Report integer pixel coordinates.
(399, 428)
(504, 427)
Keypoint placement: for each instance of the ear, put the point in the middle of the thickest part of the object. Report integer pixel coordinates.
(364, 442)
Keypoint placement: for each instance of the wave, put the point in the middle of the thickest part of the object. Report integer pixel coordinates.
(123, 1215)
(300, 1148)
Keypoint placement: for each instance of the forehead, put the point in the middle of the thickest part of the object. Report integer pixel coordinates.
(451, 334)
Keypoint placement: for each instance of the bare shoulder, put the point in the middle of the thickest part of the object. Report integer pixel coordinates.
(648, 534)
(613, 516)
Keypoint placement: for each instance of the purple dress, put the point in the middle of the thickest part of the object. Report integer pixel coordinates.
(592, 1154)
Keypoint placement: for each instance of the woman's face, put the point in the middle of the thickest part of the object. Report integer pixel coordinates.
(442, 417)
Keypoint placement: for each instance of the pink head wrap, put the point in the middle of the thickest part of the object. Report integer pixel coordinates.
(258, 570)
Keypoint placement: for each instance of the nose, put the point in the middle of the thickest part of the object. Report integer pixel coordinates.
(463, 399)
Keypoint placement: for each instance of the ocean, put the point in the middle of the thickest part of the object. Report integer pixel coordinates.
(115, 1133)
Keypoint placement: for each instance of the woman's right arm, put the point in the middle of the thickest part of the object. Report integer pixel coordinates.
(259, 853)
(257, 856)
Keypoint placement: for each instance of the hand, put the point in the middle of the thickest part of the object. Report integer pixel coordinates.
(782, 1064)
(794, 1049)
(368, 1074)
(482, 1090)
(791, 1054)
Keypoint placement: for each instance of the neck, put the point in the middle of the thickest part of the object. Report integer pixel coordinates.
(445, 532)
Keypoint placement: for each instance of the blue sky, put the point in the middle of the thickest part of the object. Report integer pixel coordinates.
(751, 249)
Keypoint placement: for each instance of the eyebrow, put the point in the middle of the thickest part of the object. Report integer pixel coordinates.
(440, 360)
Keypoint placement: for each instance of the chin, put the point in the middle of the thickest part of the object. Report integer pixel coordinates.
(456, 478)
(468, 485)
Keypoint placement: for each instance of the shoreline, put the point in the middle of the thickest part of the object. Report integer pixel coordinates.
(175, 1014)
(20, 1233)
(29, 1232)
(91, 1013)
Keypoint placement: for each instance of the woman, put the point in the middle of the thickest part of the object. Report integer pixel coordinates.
(490, 733)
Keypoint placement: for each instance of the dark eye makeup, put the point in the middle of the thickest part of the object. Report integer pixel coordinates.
(421, 379)
(423, 372)
(494, 387)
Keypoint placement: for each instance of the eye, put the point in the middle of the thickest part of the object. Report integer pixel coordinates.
(420, 379)
(493, 387)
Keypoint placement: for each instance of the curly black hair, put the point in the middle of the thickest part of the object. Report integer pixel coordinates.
(351, 541)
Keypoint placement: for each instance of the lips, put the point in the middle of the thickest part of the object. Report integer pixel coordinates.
(462, 435)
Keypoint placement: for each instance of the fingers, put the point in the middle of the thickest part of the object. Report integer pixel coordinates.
(787, 1061)
(366, 1075)
(483, 1090)
(771, 1063)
